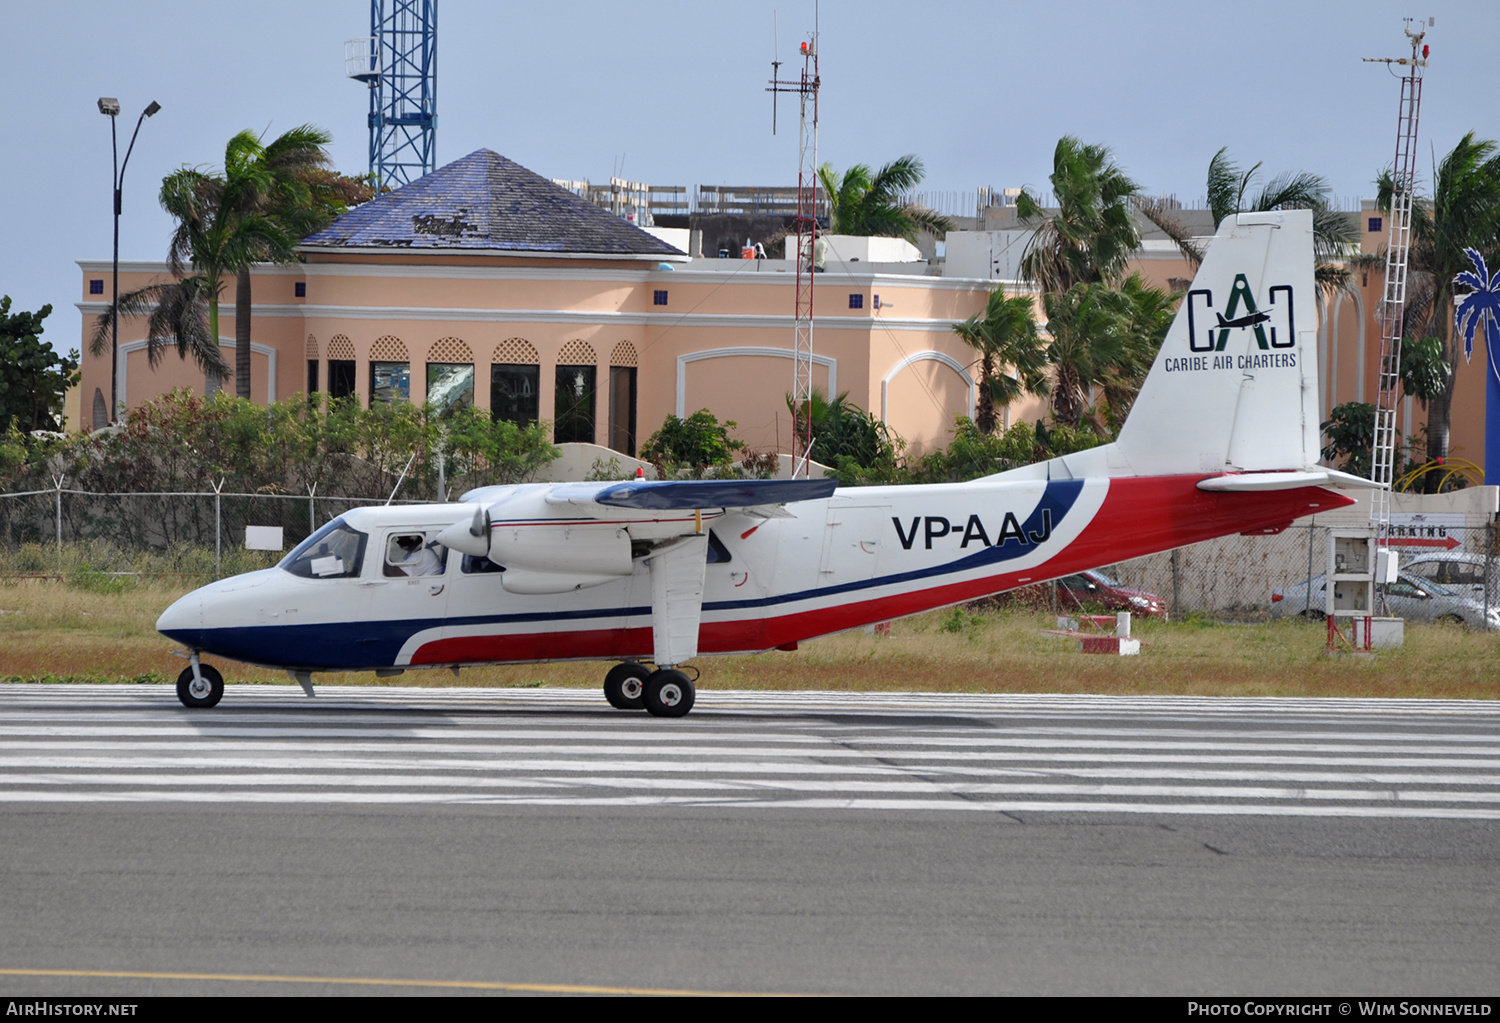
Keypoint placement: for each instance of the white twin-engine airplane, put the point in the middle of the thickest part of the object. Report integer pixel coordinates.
(1222, 439)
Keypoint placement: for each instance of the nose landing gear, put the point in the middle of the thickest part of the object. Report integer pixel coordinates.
(200, 685)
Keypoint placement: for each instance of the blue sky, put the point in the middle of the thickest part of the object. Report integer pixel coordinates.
(671, 93)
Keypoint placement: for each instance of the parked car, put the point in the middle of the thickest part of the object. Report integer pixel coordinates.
(1094, 587)
(1462, 573)
(1091, 590)
(1410, 597)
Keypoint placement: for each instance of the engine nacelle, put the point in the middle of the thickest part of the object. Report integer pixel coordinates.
(526, 535)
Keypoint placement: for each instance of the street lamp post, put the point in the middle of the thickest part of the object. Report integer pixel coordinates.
(110, 107)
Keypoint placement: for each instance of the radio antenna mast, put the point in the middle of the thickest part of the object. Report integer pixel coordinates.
(806, 89)
(1398, 247)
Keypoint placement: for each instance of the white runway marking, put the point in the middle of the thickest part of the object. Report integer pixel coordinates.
(813, 751)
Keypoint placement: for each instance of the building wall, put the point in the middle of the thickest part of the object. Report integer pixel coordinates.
(721, 341)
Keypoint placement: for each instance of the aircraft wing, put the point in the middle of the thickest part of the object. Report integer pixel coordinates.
(555, 538)
(1251, 482)
(690, 495)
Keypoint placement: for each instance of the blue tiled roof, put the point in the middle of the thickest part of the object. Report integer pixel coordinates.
(485, 201)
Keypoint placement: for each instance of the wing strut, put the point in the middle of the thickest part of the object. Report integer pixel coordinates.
(677, 599)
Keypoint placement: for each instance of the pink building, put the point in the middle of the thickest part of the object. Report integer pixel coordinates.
(486, 283)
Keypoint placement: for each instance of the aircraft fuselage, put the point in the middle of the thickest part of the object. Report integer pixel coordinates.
(864, 555)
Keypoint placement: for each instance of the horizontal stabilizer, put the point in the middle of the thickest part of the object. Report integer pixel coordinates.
(687, 495)
(1251, 482)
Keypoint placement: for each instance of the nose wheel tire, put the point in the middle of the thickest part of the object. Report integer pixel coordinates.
(669, 694)
(204, 691)
(625, 686)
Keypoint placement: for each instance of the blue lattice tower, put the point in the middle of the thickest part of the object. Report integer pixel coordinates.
(399, 64)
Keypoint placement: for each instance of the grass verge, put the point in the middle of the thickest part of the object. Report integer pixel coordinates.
(86, 632)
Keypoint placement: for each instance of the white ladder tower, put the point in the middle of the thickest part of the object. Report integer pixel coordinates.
(1393, 304)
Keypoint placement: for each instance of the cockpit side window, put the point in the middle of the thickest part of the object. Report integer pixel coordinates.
(718, 554)
(412, 554)
(336, 551)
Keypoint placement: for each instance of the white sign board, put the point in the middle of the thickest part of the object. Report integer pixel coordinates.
(263, 538)
(1433, 531)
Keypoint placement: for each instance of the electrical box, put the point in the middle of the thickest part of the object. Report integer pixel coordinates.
(1351, 555)
(1387, 564)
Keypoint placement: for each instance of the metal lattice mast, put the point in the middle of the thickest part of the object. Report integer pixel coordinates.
(806, 88)
(1393, 303)
(399, 64)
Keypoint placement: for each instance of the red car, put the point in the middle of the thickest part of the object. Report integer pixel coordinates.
(1091, 589)
(1094, 587)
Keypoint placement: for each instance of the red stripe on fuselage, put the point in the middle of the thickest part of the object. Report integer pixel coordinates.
(1138, 517)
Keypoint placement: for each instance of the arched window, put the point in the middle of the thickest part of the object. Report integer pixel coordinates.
(515, 381)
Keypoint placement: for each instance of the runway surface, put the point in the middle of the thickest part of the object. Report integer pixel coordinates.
(532, 839)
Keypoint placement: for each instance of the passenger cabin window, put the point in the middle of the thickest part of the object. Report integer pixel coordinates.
(334, 552)
(412, 554)
(718, 554)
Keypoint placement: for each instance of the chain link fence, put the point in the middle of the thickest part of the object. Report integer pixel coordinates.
(196, 535)
(1236, 577)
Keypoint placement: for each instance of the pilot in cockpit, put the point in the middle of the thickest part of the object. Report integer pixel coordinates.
(409, 555)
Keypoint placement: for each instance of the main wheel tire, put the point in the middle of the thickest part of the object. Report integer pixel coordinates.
(625, 685)
(669, 694)
(205, 693)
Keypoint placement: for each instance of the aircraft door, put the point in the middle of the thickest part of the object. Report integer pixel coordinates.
(851, 542)
(410, 577)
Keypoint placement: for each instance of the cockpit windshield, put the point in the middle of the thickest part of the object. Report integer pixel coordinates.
(334, 552)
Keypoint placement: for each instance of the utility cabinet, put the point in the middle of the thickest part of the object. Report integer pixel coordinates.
(1356, 564)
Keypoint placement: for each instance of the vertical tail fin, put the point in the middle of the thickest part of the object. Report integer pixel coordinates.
(1235, 384)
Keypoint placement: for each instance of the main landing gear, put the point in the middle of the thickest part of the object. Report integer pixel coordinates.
(663, 693)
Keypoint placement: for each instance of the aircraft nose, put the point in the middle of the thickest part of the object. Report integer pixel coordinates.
(184, 619)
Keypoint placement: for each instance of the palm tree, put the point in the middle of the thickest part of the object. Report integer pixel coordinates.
(1005, 334)
(1462, 213)
(1149, 313)
(1089, 326)
(212, 241)
(1333, 232)
(290, 184)
(267, 198)
(860, 203)
(1091, 237)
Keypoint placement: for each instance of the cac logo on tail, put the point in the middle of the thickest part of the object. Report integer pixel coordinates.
(1209, 328)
